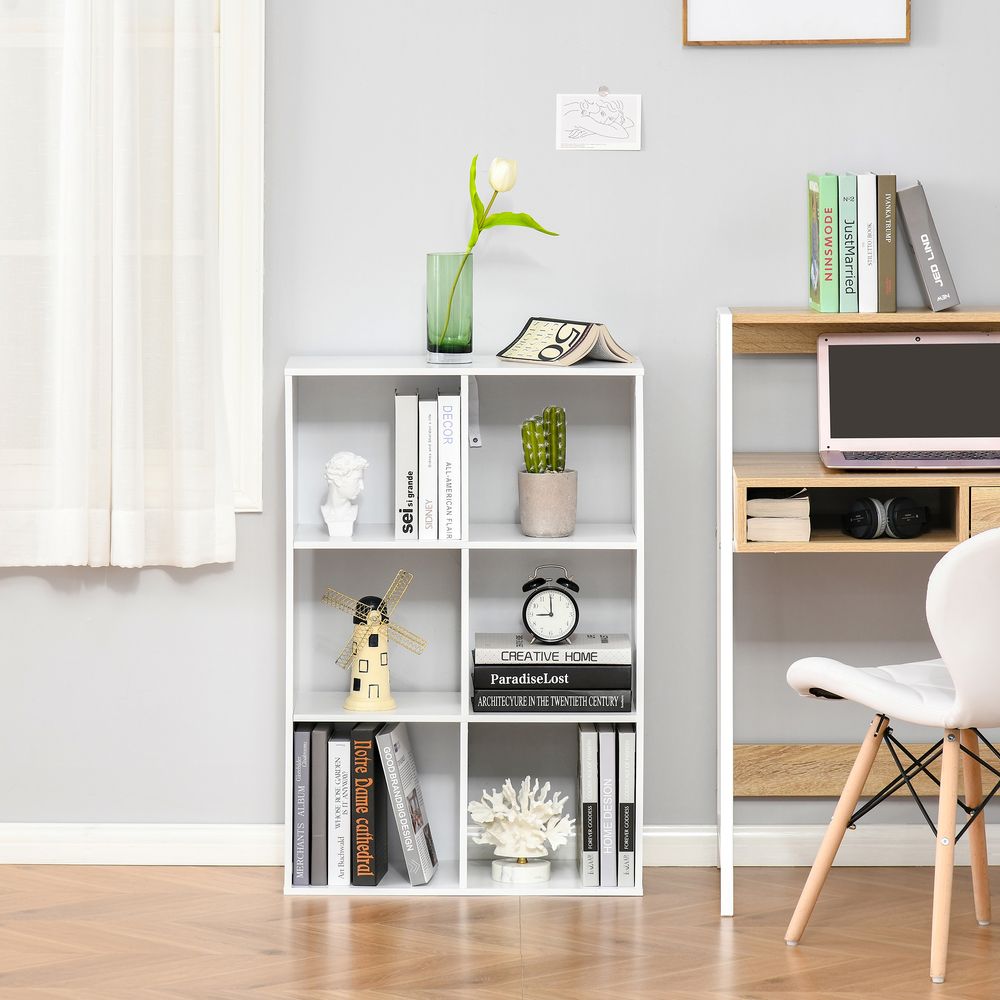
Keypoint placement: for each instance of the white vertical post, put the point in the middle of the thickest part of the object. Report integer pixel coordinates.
(289, 614)
(463, 798)
(639, 615)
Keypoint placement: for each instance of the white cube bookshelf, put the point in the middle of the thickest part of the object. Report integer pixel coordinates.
(460, 587)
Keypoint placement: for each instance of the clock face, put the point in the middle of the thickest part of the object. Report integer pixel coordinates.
(551, 615)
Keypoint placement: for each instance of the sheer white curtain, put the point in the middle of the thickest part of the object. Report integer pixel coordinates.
(113, 438)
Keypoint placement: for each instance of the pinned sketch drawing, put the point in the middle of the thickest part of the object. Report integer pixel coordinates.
(599, 121)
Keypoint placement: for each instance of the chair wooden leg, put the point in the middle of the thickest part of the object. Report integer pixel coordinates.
(944, 859)
(972, 774)
(837, 828)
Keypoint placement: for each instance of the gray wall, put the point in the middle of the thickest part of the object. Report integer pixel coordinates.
(156, 696)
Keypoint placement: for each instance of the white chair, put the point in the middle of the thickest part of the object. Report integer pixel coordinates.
(959, 694)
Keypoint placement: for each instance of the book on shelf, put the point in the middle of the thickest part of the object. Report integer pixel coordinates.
(778, 529)
(847, 202)
(339, 805)
(571, 678)
(607, 772)
(449, 467)
(427, 488)
(369, 847)
(529, 700)
(406, 800)
(300, 803)
(516, 647)
(319, 760)
(794, 505)
(626, 804)
(406, 466)
(563, 342)
(935, 275)
(867, 243)
(588, 819)
(886, 188)
(824, 265)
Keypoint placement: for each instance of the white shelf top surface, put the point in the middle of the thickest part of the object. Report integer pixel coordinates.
(417, 364)
(411, 706)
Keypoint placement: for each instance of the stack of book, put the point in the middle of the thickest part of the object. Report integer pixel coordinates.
(779, 519)
(606, 805)
(588, 673)
(852, 244)
(340, 797)
(428, 474)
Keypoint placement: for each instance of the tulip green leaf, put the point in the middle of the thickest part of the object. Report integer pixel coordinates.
(478, 211)
(514, 219)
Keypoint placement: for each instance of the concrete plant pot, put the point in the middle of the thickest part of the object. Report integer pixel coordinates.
(547, 503)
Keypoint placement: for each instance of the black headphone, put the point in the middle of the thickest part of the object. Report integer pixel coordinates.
(900, 517)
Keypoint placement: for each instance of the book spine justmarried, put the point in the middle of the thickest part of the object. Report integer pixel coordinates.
(847, 186)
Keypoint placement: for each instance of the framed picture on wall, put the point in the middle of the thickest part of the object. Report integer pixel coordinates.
(796, 22)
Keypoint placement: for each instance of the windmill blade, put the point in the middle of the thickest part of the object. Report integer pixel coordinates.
(359, 637)
(407, 639)
(396, 590)
(344, 602)
(346, 654)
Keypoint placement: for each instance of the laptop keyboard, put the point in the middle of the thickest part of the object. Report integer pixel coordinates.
(928, 456)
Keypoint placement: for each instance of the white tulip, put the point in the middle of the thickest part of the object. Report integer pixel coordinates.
(503, 174)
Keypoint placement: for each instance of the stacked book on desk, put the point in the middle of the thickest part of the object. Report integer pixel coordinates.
(779, 519)
(588, 673)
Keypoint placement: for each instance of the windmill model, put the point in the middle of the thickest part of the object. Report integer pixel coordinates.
(367, 651)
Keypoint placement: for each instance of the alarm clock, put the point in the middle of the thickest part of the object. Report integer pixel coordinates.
(550, 611)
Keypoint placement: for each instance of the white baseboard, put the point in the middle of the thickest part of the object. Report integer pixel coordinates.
(260, 844)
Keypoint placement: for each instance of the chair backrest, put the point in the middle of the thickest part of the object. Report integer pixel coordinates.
(963, 612)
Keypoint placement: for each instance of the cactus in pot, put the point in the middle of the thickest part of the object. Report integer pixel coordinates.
(546, 489)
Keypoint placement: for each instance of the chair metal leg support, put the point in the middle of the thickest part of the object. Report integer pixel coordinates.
(837, 828)
(973, 779)
(944, 859)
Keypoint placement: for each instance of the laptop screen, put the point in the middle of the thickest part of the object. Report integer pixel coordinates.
(915, 390)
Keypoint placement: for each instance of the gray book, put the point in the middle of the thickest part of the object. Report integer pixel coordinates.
(607, 773)
(318, 815)
(588, 819)
(300, 803)
(935, 275)
(626, 804)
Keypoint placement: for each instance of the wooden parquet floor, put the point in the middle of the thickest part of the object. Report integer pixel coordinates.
(70, 933)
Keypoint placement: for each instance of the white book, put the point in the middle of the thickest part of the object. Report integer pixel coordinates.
(339, 807)
(427, 511)
(796, 505)
(778, 529)
(867, 244)
(449, 467)
(626, 804)
(588, 819)
(608, 802)
(407, 475)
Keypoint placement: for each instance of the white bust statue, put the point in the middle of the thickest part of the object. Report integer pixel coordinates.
(345, 473)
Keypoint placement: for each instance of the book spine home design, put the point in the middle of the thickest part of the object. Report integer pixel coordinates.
(319, 759)
(607, 803)
(300, 803)
(551, 701)
(558, 678)
(939, 287)
(427, 511)
(369, 858)
(449, 467)
(588, 834)
(867, 244)
(824, 269)
(886, 243)
(407, 475)
(626, 804)
(847, 185)
(339, 804)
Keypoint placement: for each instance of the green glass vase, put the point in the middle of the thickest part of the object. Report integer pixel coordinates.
(449, 308)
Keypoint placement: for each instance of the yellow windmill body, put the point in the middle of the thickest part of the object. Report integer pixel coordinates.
(367, 651)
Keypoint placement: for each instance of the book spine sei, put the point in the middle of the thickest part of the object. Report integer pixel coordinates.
(886, 186)
(588, 818)
(626, 804)
(428, 476)
(824, 270)
(867, 243)
(935, 275)
(339, 804)
(847, 186)
(300, 804)
(564, 679)
(551, 701)
(319, 757)
(449, 467)
(607, 804)
(407, 475)
(369, 858)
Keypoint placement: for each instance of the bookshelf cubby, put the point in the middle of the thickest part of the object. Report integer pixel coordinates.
(462, 586)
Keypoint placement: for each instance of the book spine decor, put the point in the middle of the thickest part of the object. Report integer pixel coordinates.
(867, 244)
(427, 457)
(886, 243)
(449, 467)
(939, 287)
(319, 758)
(514, 648)
(847, 185)
(607, 804)
(824, 269)
(300, 803)
(339, 803)
(369, 858)
(551, 701)
(407, 475)
(565, 678)
(626, 804)
(588, 834)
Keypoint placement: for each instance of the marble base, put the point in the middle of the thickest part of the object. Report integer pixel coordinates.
(511, 872)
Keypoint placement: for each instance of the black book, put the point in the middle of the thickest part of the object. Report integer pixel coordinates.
(559, 678)
(319, 766)
(300, 803)
(521, 700)
(369, 829)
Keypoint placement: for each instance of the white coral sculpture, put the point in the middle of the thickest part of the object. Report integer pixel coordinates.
(519, 823)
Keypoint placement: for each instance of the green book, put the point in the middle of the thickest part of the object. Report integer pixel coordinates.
(824, 244)
(847, 185)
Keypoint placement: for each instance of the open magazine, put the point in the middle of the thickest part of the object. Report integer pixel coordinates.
(563, 342)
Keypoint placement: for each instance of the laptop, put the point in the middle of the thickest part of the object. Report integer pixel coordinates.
(909, 401)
